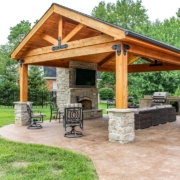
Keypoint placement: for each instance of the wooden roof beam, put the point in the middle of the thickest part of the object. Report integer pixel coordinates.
(148, 60)
(148, 45)
(71, 53)
(106, 59)
(56, 64)
(49, 39)
(60, 27)
(73, 33)
(132, 58)
(154, 54)
(74, 44)
(136, 68)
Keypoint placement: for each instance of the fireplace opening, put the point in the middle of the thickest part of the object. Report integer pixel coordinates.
(86, 104)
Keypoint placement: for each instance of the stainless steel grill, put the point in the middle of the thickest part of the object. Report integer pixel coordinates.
(160, 97)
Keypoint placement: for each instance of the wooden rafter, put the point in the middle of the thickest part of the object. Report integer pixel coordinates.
(132, 58)
(60, 27)
(148, 60)
(106, 59)
(49, 39)
(73, 33)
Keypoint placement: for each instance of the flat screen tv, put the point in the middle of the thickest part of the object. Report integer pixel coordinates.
(85, 77)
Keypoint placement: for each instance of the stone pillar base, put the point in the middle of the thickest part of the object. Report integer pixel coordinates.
(21, 115)
(121, 125)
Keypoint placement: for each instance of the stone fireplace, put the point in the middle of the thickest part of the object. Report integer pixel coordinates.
(68, 92)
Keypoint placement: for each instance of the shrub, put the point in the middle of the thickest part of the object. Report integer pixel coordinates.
(106, 93)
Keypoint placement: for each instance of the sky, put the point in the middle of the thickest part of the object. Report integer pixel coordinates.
(13, 11)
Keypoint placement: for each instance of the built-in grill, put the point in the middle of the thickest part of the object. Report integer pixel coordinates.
(160, 97)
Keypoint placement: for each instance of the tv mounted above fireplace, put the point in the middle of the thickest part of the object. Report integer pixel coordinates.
(85, 77)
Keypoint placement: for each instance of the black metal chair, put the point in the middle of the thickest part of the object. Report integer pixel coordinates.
(34, 118)
(73, 116)
(54, 112)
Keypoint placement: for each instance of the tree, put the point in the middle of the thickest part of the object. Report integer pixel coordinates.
(147, 83)
(36, 80)
(18, 32)
(5, 60)
(107, 80)
(8, 69)
(125, 13)
(37, 85)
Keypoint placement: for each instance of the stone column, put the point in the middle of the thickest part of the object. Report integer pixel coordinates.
(63, 90)
(21, 115)
(121, 125)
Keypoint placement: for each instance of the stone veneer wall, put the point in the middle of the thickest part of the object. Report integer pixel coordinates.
(63, 90)
(21, 115)
(121, 125)
(72, 72)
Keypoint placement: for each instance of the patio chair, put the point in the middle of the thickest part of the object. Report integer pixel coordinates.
(54, 112)
(73, 116)
(34, 118)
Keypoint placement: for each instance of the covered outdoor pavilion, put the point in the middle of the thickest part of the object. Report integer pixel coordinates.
(86, 39)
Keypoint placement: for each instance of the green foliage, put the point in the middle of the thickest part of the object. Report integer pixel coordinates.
(177, 93)
(108, 80)
(36, 85)
(147, 83)
(126, 13)
(106, 93)
(9, 83)
(18, 32)
(36, 80)
(5, 61)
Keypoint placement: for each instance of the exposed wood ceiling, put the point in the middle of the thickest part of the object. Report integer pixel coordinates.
(88, 40)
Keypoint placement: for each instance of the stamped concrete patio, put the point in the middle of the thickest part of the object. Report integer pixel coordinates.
(155, 153)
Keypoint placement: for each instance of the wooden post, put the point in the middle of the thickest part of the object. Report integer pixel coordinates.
(121, 79)
(23, 83)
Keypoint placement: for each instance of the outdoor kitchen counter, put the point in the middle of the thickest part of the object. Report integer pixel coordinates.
(145, 102)
(148, 100)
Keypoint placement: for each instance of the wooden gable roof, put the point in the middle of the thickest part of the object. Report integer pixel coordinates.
(90, 40)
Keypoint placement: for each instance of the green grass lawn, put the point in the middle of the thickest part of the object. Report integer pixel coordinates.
(38, 162)
(103, 106)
